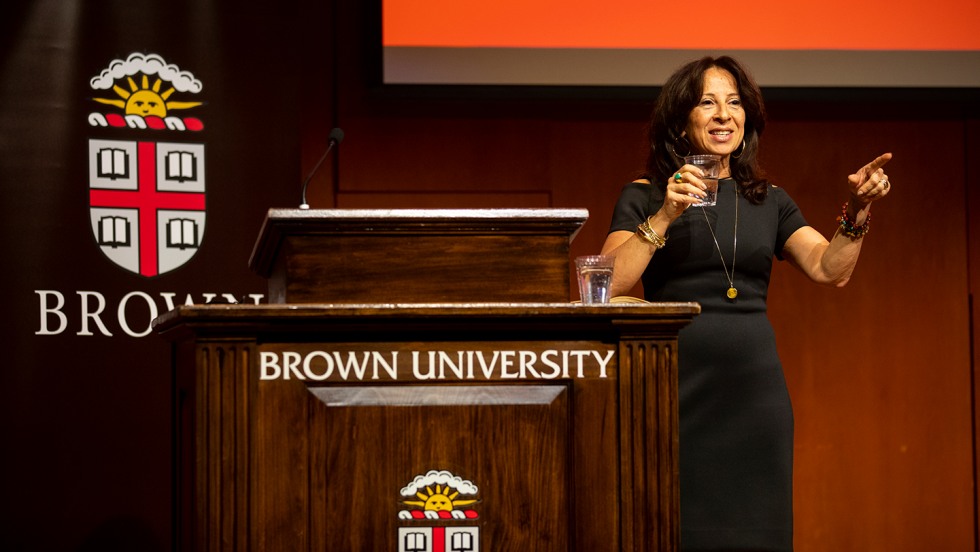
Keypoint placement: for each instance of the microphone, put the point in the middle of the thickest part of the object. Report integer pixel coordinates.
(336, 137)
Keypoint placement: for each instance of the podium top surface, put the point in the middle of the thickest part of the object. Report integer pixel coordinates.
(447, 215)
(281, 223)
(211, 319)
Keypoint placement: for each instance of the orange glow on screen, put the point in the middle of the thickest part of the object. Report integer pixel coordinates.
(651, 24)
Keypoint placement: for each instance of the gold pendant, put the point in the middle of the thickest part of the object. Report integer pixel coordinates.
(732, 293)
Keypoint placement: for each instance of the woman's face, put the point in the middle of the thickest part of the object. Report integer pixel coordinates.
(717, 124)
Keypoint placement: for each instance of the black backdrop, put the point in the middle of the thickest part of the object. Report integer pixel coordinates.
(86, 419)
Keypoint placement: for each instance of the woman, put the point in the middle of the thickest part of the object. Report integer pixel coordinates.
(736, 422)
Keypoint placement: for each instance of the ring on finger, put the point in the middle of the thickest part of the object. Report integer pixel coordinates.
(678, 178)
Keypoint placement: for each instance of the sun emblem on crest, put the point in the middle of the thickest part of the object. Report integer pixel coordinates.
(440, 500)
(438, 493)
(143, 85)
(145, 100)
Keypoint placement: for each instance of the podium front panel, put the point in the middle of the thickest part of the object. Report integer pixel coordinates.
(481, 427)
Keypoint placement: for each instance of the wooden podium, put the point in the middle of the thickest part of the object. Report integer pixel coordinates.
(395, 399)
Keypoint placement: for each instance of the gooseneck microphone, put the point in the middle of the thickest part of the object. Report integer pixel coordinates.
(336, 137)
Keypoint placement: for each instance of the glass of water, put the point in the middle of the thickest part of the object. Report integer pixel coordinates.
(711, 165)
(595, 278)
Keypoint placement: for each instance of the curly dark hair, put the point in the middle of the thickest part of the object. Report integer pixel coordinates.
(679, 95)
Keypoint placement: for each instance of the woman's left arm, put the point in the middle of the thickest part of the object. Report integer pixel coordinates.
(832, 262)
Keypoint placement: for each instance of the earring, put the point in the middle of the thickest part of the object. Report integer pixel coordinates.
(673, 148)
(740, 149)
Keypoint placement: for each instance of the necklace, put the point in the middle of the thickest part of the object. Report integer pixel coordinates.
(732, 293)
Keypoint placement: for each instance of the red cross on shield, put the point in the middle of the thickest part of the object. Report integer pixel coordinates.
(146, 203)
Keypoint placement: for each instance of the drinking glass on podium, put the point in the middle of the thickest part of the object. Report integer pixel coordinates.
(594, 278)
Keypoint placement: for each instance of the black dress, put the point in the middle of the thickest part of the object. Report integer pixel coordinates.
(736, 421)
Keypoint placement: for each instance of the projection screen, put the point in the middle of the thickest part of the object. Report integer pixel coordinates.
(832, 43)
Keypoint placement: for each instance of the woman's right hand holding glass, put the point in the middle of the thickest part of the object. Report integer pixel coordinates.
(684, 189)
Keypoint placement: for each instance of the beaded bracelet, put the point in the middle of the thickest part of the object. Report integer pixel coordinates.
(849, 228)
(649, 235)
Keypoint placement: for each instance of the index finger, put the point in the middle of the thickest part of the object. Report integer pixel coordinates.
(693, 169)
(879, 162)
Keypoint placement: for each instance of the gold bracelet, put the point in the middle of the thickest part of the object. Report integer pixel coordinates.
(650, 235)
(646, 233)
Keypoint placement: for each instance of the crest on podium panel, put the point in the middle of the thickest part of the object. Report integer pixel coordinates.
(146, 197)
(439, 515)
